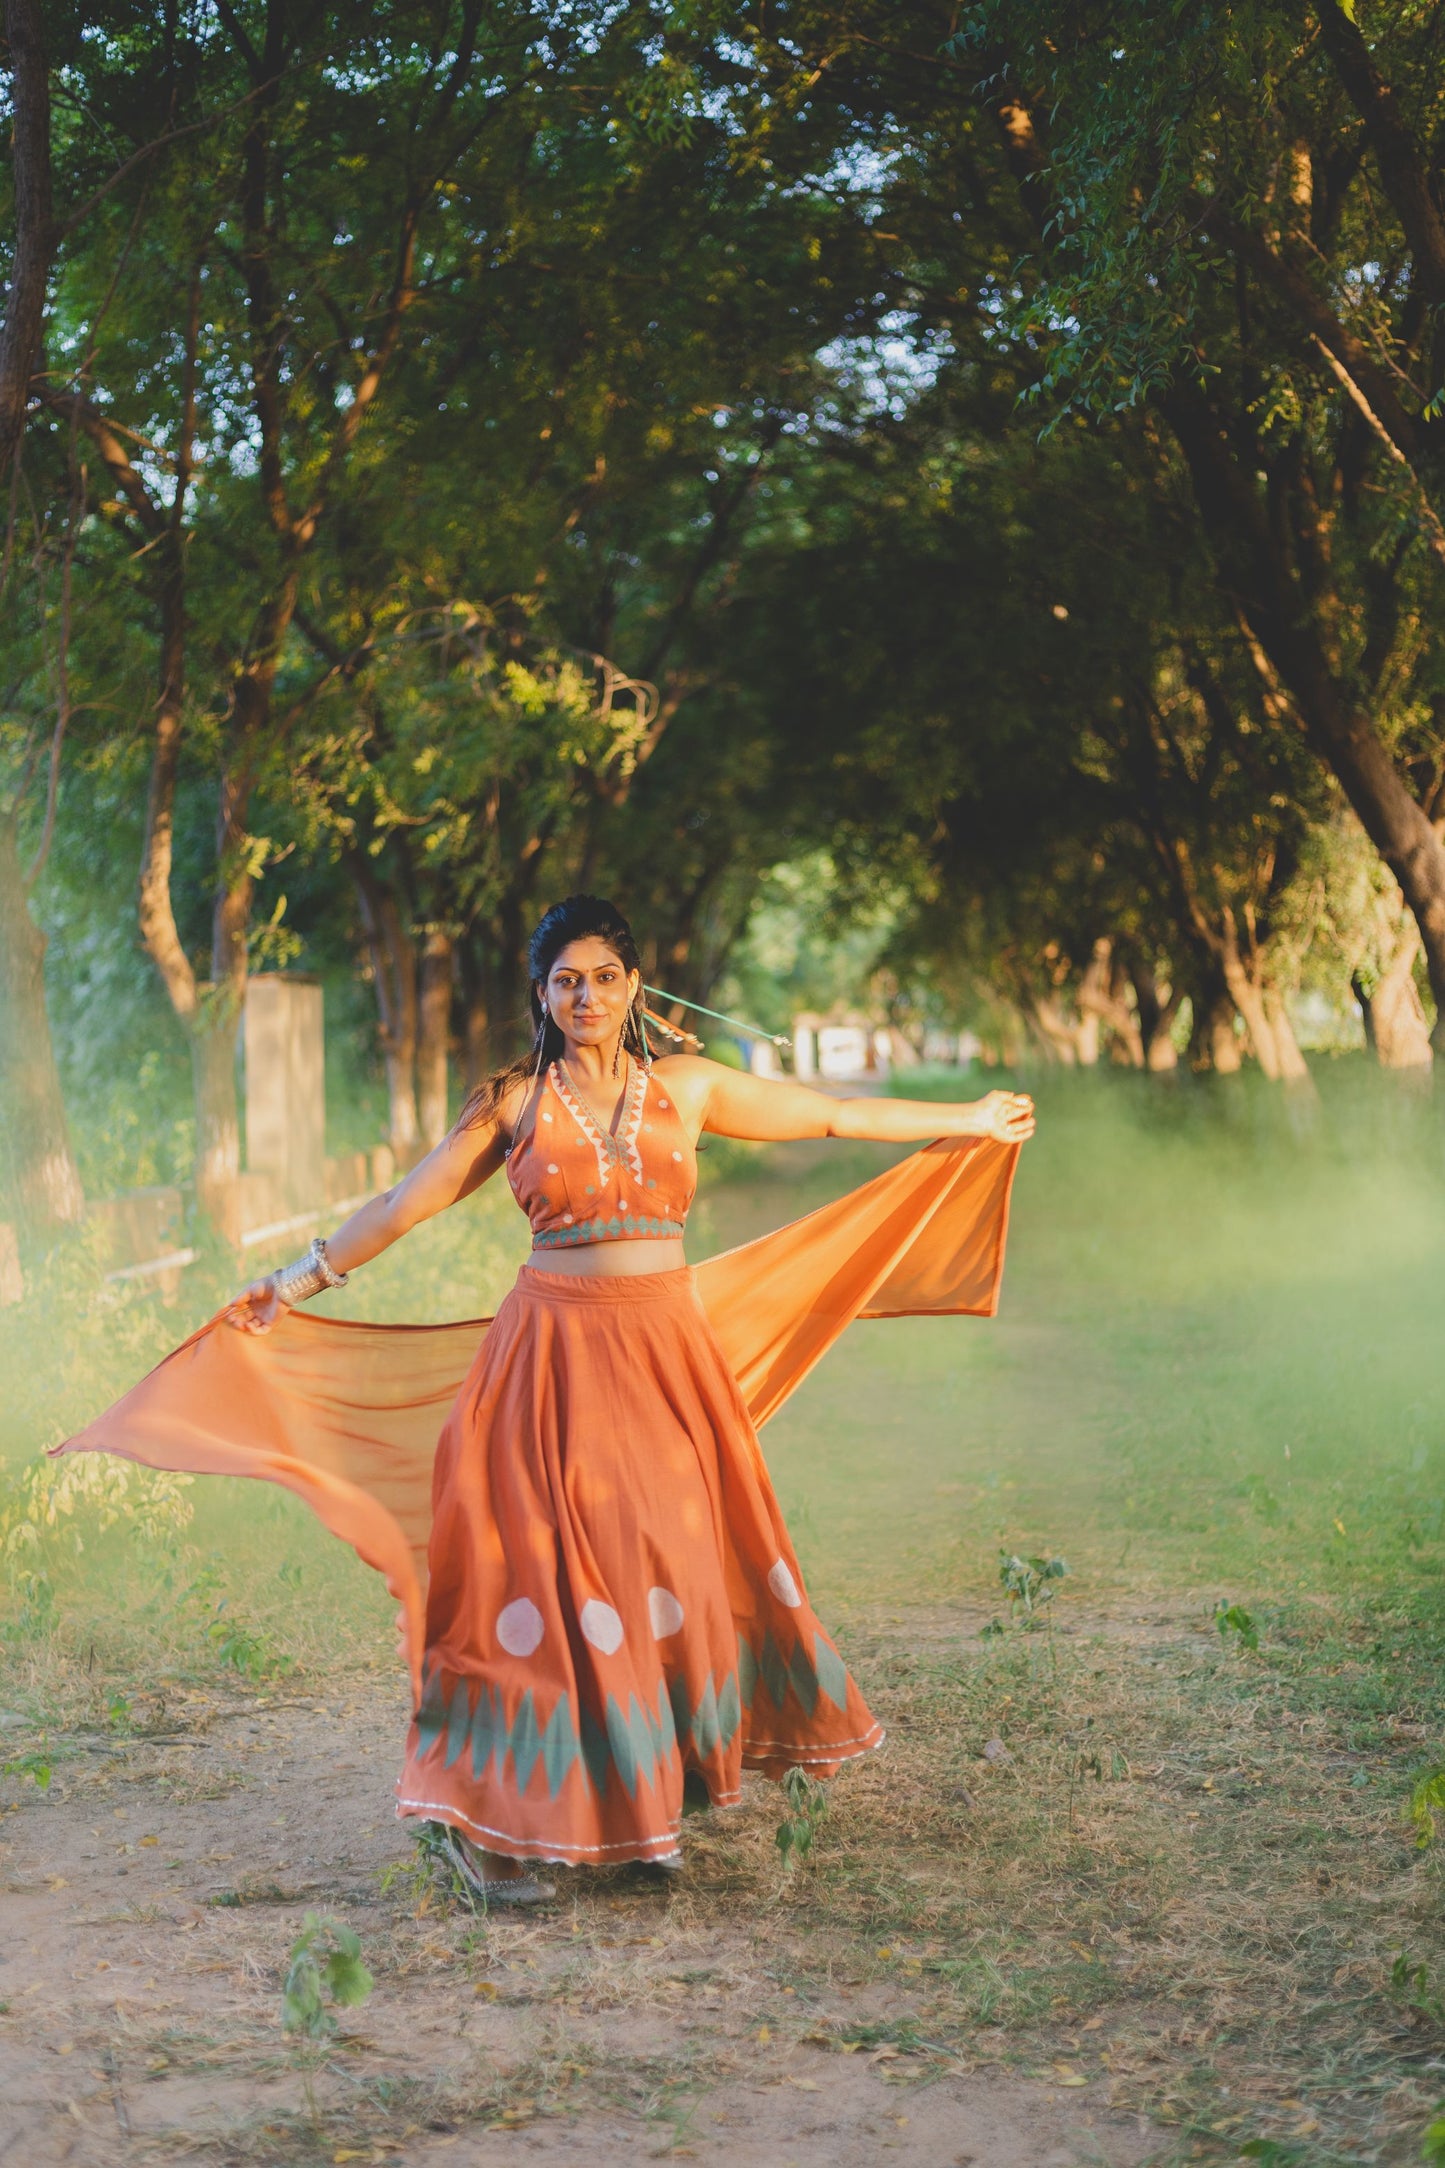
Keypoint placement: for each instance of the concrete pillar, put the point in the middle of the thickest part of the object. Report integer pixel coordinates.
(286, 1082)
(805, 1052)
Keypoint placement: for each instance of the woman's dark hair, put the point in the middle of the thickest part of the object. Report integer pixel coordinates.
(575, 918)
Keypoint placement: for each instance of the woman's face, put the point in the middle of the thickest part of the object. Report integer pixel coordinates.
(588, 992)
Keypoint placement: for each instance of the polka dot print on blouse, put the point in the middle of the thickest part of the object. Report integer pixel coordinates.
(630, 1183)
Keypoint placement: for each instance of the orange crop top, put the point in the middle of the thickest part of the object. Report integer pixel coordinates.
(578, 1183)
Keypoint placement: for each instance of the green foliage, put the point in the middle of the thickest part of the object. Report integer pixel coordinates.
(243, 1649)
(325, 1962)
(1427, 1799)
(35, 1617)
(1432, 2145)
(237, 1645)
(36, 1765)
(89, 1494)
(1029, 1583)
(1416, 1989)
(807, 1805)
(1232, 1618)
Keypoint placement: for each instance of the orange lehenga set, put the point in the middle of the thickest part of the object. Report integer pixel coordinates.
(569, 1501)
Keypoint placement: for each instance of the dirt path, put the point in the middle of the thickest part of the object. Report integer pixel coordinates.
(151, 1898)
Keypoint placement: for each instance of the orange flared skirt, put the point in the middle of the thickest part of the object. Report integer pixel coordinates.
(569, 1501)
(613, 1597)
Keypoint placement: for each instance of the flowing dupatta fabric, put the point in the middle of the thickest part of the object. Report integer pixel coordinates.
(348, 1415)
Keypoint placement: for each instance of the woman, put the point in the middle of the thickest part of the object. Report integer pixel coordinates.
(615, 1618)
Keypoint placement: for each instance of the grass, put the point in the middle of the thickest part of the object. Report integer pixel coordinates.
(1183, 1867)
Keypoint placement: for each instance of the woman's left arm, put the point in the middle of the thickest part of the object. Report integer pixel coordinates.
(729, 1103)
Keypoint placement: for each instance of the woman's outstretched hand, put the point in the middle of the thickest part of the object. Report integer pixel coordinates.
(258, 1306)
(1009, 1116)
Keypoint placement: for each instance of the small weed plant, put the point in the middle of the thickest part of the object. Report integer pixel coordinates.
(807, 1804)
(1426, 1801)
(1415, 1989)
(325, 1963)
(1232, 1618)
(1029, 1583)
(238, 1646)
(36, 1765)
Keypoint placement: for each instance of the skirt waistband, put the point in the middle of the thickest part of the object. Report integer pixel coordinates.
(600, 1287)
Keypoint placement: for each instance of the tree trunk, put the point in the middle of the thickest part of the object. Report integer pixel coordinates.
(1216, 1034)
(476, 994)
(1157, 1006)
(218, 1118)
(1287, 648)
(478, 1037)
(36, 1165)
(403, 1129)
(210, 1016)
(1394, 1014)
(393, 974)
(217, 1018)
(1092, 1000)
(1290, 1065)
(155, 913)
(434, 1010)
(1162, 1057)
(1104, 994)
(1266, 1018)
(1093, 995)
(34, 224)
(1053, 1029)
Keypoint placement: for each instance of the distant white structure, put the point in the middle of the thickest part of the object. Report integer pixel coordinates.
(763, 1058)
(844, 1051)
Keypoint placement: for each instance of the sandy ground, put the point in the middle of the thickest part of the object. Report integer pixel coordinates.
(151, 1897)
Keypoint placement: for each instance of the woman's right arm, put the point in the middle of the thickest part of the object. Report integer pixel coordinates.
(453, 1169)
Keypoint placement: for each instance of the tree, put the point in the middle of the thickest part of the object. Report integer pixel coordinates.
(38, 1167)
(1235, 224)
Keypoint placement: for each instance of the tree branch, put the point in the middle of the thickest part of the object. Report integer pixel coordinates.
(1404, 165)
(105, 437)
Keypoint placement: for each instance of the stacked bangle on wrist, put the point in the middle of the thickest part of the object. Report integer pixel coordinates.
(298, 1282)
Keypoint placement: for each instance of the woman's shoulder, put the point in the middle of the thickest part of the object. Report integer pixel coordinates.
(512, 1107)
(690, 1078)
(681, 1070)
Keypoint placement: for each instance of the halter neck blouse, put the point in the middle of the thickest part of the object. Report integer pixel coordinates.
(578, 1182)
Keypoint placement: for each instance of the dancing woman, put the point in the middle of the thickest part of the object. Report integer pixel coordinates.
(615, 1620)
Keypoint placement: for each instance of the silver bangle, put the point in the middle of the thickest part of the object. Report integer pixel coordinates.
(298, 1282)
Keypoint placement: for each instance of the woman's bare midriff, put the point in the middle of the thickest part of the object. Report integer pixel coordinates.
(613, 1260)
